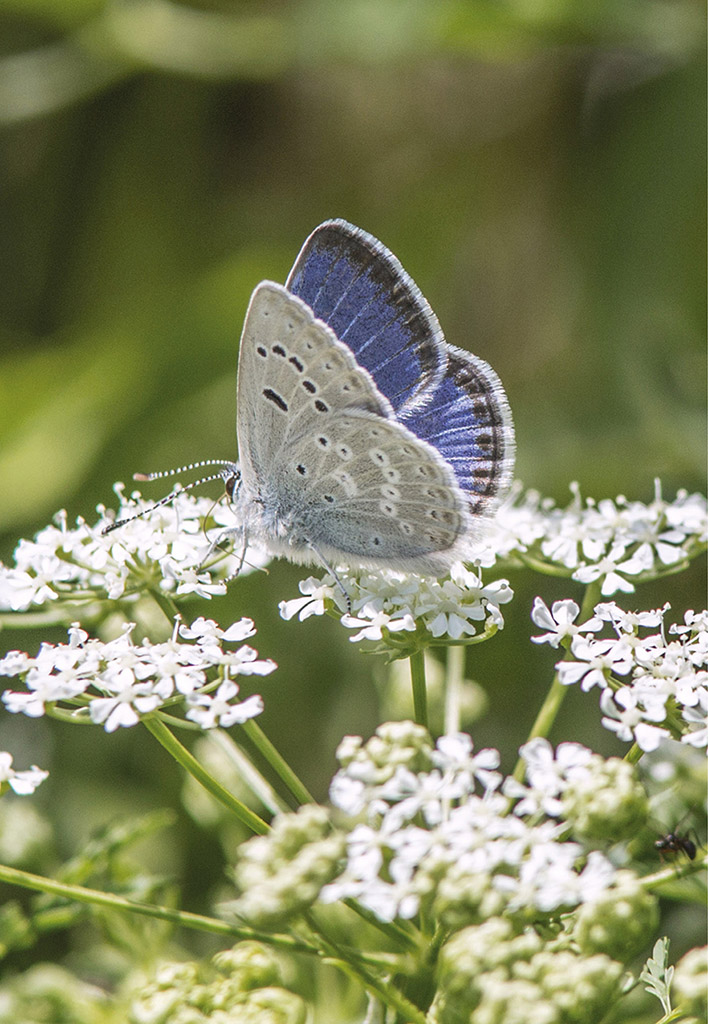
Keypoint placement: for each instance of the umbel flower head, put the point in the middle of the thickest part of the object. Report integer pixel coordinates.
(118, 681)
(175, 547)
(165, 545)
(437, 829)
(402, 611)
(614, 543)
(651, 688)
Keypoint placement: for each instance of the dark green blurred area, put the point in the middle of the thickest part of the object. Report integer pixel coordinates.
(538, 167)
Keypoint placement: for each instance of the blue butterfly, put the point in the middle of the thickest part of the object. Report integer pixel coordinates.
(364, 439)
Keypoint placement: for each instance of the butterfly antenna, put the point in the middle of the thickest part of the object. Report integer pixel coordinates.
(228, 469)
(162, 473)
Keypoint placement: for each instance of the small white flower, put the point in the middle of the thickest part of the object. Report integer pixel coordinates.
(207, 629)
(24, 782)
(624, 716)
(697, 719)
(560, 622)
(371, 624)
(317, 593)
(130, 700)
(209, 710)
(596, 660)
(608, 569)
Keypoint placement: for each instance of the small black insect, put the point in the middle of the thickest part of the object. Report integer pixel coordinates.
(674, 842)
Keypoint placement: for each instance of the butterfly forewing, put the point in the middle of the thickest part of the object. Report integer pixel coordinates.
(292, 370)
(358, 287)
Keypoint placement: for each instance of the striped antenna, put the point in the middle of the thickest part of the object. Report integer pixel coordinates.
(229, 474)
(160, 474)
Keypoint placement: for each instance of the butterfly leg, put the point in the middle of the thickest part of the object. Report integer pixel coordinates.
(333, 574)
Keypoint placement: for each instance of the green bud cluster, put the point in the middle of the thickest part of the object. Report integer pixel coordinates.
(495, 974)
(242, 985)
(459, 897)
(47, 992)
(281, 874)
(690, 985)
(619, 920)
(606, 803)
(393, 745)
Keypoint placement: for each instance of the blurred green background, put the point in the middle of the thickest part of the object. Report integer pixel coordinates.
(538, 167)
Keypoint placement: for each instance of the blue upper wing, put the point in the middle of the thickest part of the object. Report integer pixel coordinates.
(469, 422)
(361, 291)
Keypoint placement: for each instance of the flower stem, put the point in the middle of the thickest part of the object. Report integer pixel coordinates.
(165, 603)
(554, 698)
(453, 688)
(386, 992)
(544, 720)
(634, 754)
(420, 699)
(277, 762)
(94, 897)
(180, 753)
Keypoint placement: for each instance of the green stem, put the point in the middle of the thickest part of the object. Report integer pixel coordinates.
(634, 754)
(277, 762)
(556, 694)
(394, 930)
(453, 688)
(94, 897)
(671, 874)
(544, 720)
(387, 993)
(180, 753)
(167, 606)
(420, 699)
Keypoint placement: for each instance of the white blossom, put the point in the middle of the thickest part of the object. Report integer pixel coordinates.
(560, 622)
(81, 562)
(450, 821)
(455, 607)
(119, 681)
(23, 783)
(642, 674)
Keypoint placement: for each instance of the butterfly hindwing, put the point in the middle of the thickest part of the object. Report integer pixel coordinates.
(468, 421)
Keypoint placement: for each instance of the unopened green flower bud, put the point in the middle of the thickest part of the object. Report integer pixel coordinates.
(282, 873)
(393, 745)
(269, 1006)
(690, 984)
(618, 921)
(490, 975)
(581, 988)
(248, 965)
(470, 954)
(605, 802)
(464, 898)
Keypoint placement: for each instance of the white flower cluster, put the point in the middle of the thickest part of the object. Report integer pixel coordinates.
(165, 546)
(651, 688)
(614, 542)
(453, 608)
(117, 681)
(453, 837)
(24, 782)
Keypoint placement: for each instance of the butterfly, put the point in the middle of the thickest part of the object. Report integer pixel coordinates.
(364, 439)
